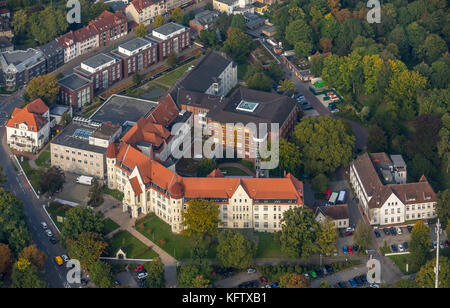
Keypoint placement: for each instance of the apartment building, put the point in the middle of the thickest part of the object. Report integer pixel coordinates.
(110, 26)
(81, 147)
(76, 90)
(28, 130)
(214, 74)
(102, 69)
(145, 11)
(54, 55)
(203, 21)
(18, 67)
(170, 37)
(379, 183)
(136, 54)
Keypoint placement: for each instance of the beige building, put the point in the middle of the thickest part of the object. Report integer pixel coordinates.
(81, 147)
(379, 183)
(338, 214)
(144, 11)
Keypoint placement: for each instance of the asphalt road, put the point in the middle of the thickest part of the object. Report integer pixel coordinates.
(53, 274)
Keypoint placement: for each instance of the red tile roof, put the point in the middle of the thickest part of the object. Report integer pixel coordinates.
(34, 121)
(216, 174)
(165, 112)
(37, 107)
(139, 5)
(135, 185)
(108, 20)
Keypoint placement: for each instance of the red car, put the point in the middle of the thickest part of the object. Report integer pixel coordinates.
(139, 268)
(350, 250)
(263, 280)
(447, 244)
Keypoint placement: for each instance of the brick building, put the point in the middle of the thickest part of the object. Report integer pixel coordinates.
(76, 90)
(102, 69)
(171, 37)
(136, 54)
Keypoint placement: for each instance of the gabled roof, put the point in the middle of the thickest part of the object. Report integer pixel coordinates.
(216, 174)
(35, 122)
(107, 20)
(37, 107)
(135, 185)
(335, 212)
(165, 112)
(139, 5)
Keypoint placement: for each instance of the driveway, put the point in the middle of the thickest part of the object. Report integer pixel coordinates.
(344, 275)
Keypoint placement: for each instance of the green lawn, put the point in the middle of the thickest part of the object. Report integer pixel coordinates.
(268, 247)
(33, 175)
(113, 192)
(401, 261)
(56, 209)
(169, 79)
(231, 171)
(110, 226)
(247, 164)
(44, 159)
(178, 246)
(135, 249)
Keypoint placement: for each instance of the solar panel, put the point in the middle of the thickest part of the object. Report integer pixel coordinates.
(82, 133)
(247, 106)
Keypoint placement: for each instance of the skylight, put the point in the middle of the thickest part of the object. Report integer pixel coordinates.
(247, 106)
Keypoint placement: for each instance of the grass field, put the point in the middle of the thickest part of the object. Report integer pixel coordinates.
(113, 192)
(231, 171)
(169, 79)
(56, 209)
(268, 247)
(178, 246)
(401, 261)
(44, 159)
(134, 248)
(33, 175)
(110, 226)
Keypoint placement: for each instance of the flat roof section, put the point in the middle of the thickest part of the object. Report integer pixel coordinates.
(119, 109)
(74, 81)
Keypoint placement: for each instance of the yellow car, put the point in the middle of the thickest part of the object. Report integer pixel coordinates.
(59, 260)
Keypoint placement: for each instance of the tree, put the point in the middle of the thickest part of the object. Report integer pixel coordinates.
(326, 242)
(19, 22)
(238, 21)
(6, 259)
(45, 87)
(287, 85)
(377, 141)
(201, 283)
(419, 247)
(234, 250)
(298, 30)
(26, 275)
(34, 256)
(238, 44)
(52, 181)
(325, 44)
(320, 183)
(299, 231)
(303, 49)
(177, 15)
(289, 159)
(209, 6)
(201, 218)
(443, 207)
(159, 21)
(325, 285)
(47, 24)
(275, 72)
(426, 276)
(363, 235)
(172, 59)
(3, 177)
(190, 276)
(406, 283)
(141, 30)
(65, 119)
(292, 280)
(95, 194)
(205, 167)
(260, 81)
(78, 220)
(324, 143)
(155, 273)
(87, 248)
(433, 48)
(101, 275)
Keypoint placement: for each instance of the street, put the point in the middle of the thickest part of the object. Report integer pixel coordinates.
(53, 274)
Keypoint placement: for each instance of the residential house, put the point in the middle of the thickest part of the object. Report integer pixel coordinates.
(338, 214)
(145, 11)
(28, 130)
(203, 21)
(54, 55)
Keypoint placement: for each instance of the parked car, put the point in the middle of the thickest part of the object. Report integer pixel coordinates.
(405, 245)
(274, 285)
(363, 278)
(400, 248)
(329, 269)
(49, 233)
(251, 271)
(409, 228)
(394, 248)
(393, 231)
(441, 245)
(377, 233)
(345, 249)
(59, 261)
(434, 245)
(374, 285)
(342, 284)
(307, 107)
(319, 272)
(399, 230)
(313, 274)
(386, 231)
(358, 280)
(53, 240)
(350, 250)
(138, 268)
(44, 225)
(334, 110)
(65, 258)
(355, 248)
(447, 244)
(142, 275)
(263, 280)
(352, 283)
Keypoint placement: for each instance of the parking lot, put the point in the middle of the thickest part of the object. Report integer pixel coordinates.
(72, 191)
(397, 239)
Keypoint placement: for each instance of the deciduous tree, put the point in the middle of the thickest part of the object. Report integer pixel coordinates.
(234, 250)
(426, 277)
(201, 218)
(34, 255)
(141, 30)
(45, 87)
(292, 280)
(419, 247)
(326, 242)
(155, 272)
(6, 259)
(52, 181)
(363, 235)
(87, 248)
(81, 219)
